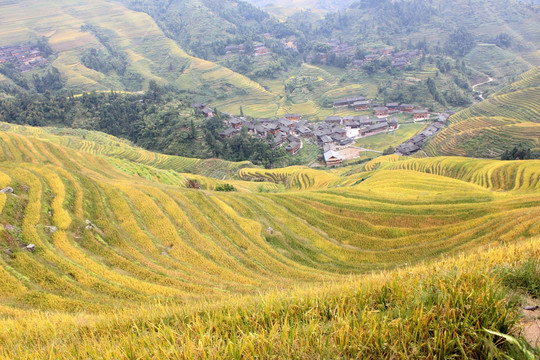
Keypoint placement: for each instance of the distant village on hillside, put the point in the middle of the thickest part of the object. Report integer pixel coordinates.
(258, 48)
(24, 57)
(335, 132)
(335, 47)
(399, 59)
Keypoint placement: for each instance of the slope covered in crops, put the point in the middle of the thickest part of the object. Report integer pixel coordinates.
(124, 231)
(99, 143)
(129, 258)
(506, 119)
(74, 27)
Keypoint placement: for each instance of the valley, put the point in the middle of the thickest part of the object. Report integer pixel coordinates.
(227, 179)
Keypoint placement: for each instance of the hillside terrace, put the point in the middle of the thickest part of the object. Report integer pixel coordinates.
(24, 57)
(415, 143)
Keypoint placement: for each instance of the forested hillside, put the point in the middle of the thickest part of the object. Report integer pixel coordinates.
(455, 28)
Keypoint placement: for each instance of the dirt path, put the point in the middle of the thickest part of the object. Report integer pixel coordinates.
(364, 149)
(530, 324)
(490, 79)
(353, 152)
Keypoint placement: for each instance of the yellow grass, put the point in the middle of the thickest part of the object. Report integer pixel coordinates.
(140, 263)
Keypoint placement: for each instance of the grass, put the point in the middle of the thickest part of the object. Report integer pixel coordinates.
(525, 277)
(380, 142)
(148, 261)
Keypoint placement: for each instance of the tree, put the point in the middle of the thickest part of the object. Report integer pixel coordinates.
(389, 150)
(193, 133)
(432, 87)
(503, 40)
(460, 43)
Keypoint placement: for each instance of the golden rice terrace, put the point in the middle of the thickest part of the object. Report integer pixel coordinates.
(111, 233)
(107, 241)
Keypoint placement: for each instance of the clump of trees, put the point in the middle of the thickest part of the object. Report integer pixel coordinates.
(159, 120)
(103, 62)
(520, 152)
(460, 43)
(242, 146)
(225, 188)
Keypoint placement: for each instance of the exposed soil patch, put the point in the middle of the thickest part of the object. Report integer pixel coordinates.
(350, 153)
(531, 329)
(530, 323)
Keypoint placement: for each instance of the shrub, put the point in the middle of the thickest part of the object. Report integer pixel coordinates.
(225, 188)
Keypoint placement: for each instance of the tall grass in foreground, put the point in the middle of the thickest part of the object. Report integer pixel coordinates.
(436, 311)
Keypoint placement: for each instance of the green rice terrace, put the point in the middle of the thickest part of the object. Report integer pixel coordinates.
(506, 119)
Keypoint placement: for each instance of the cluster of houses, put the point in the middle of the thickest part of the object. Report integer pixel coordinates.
(24, 57)
(235, 49)
(399, 59)
(343, 130)
(290, 131)
(415, 143)
(336, 47)
(287, 131)
(208, 112)
(334, 132)
(259, 49)
(360, 103)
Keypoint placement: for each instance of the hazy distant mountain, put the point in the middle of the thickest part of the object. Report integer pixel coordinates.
(330, 5)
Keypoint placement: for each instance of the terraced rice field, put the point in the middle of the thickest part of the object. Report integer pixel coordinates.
(98, 143)
(499, 63)
(175, 242)
(506, 119)
(131, 238)
(149, 51)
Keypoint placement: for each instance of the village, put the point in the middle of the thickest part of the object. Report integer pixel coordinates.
(335, 133)
(399, 59)
(259, 49)
(24, 57)
(335, 48)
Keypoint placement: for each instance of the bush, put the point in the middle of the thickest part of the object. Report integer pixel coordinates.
(225, 187)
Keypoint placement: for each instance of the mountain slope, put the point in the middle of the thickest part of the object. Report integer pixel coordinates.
(73, 28)
(131, 258)
(506, 119)
(422, 23)
(126, 232)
